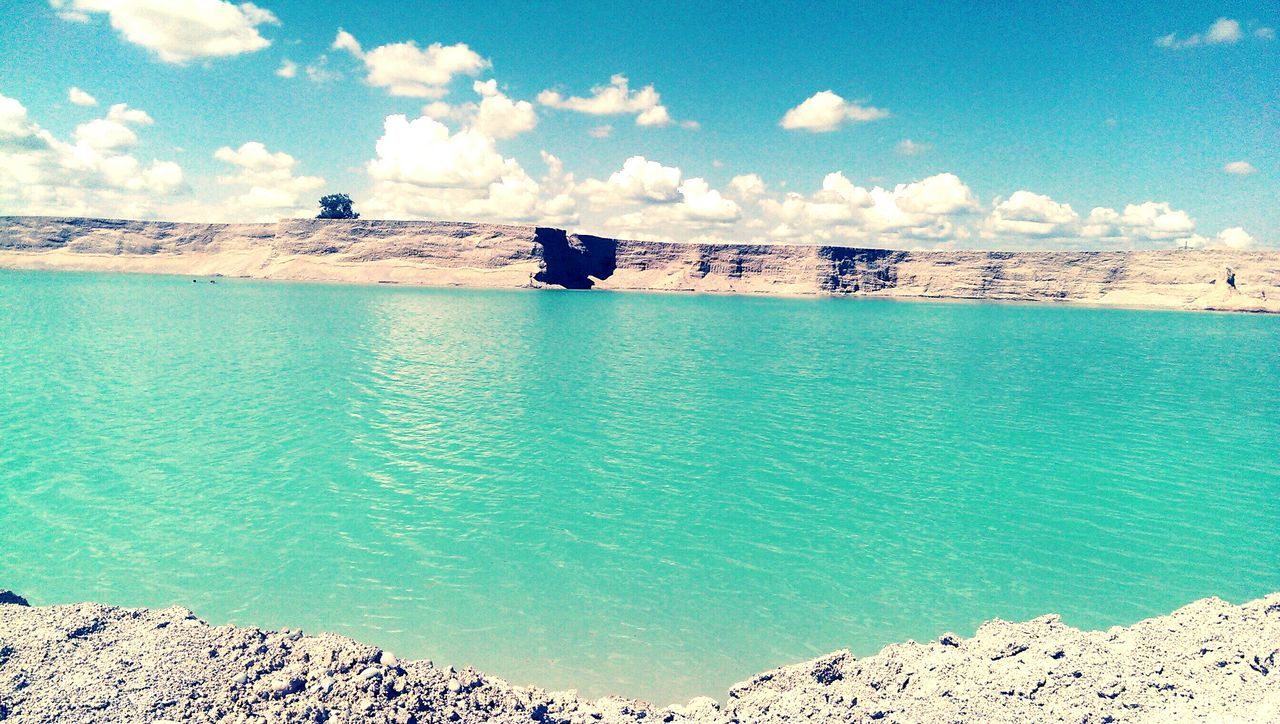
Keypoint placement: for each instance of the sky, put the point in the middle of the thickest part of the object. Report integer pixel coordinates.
(903, 125)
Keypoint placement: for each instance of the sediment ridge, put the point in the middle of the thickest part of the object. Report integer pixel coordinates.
(1208, 661)
(440, 253)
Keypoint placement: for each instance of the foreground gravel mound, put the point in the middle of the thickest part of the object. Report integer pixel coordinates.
(1209, 661)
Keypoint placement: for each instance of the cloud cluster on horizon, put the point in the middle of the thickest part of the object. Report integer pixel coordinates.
(449, 163)
(422, 168)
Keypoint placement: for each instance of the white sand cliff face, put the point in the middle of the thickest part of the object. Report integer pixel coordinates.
(1209, 661)
(489, 255)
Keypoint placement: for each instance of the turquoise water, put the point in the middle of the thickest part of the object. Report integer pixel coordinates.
(651, 495)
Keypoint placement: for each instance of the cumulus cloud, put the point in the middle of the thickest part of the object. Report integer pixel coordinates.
(1148, 221)
(1235, 238)
(92, 174)
(825, 111)
(423, 170)
(499, 116)
(287, 69)
(923, 210)
(404, 69)
(1029, 214)
(1223, 31)
(747, 186)
(699, 202)
(496, 115)
(179, 30)
(1240, 168)
(615, 99)
(81, 98)
(649, 199)
(423, 152)
(639, 179)
(269, 187)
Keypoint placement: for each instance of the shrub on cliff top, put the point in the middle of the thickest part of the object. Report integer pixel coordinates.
(336, 206)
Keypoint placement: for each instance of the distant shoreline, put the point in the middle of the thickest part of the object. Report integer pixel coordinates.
(445, 254)
(1209, 660)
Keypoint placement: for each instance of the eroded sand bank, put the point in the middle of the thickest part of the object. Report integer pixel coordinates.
(488, 255)
(1208, 661)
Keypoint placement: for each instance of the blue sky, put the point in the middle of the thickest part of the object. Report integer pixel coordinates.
(1022, 121)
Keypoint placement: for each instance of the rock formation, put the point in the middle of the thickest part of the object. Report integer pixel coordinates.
(488, 255)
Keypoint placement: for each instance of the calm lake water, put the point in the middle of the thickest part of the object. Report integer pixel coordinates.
(651, 495)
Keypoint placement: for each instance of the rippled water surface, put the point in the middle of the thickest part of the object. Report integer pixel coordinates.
(651, 495)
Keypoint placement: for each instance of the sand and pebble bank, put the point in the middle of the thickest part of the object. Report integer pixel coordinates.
(88, 662)
(439, 253)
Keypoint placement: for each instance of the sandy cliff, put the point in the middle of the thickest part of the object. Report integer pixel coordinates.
(1209, 661)
(490, 255)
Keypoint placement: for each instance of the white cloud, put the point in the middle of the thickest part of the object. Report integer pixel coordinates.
(104, 134)
(180, 30)
(615, 99)
(1148, 221)
(747, 186)
(601, 131)
(405, 69)
(700, 202)
(639, 179)
(1265, 33)
(648, 199)
(1029, 214)
(270, 188)
(1236, 238)
(1240, 168)
(908, 147)
(499, 116)
(287, 69)
(496, 115)
(1223, 31)
(825, 111)
(121, 113)
(91, 175)
(422, 170)
(112, 132)
(423, 152)
(928, 209)
(81, 98)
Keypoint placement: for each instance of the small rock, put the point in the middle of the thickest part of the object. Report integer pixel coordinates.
(388, 660)
(284, 686)
(454, 685)
(370, 672)
(241, 679)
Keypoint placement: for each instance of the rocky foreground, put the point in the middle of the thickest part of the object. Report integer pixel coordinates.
(442, 253)
(1209, 661)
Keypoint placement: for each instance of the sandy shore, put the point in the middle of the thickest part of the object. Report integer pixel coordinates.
(489, 255)
(1209, 661)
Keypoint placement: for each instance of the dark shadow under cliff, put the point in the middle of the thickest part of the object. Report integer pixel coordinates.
(572, 262)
